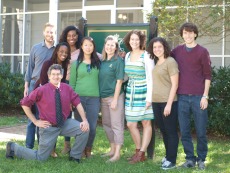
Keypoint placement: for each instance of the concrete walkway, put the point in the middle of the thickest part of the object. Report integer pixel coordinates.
(13, 133)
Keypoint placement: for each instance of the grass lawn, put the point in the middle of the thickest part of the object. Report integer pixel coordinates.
(12, 120)
(217, 159)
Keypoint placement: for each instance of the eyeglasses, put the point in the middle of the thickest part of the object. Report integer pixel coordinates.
(88, 68)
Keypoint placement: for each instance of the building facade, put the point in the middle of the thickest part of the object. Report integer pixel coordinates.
(22, 21)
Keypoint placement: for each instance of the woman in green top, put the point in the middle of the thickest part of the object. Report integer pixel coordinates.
(112, 97)
(84, 80)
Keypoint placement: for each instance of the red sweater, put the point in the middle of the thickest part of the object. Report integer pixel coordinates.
(194, 67)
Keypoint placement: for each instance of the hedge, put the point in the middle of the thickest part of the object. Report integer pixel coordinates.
(12, 86)
(219, 103)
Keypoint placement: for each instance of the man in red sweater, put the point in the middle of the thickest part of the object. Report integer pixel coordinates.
(194, 82)
(51, 109)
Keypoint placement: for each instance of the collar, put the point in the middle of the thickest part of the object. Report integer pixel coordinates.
(54, 87)
(44, 44)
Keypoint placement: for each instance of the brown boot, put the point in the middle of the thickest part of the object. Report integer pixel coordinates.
(66, 148)
(53, 154)
(88, 152)
(131, 158)
(139, 157)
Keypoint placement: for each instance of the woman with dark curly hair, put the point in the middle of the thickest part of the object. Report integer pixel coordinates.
(164, 98)
(61, 55)
(138, 67)
(71, 35)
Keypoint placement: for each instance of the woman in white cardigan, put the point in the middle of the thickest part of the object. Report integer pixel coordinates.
(138, 68)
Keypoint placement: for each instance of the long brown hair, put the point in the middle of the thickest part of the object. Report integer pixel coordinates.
(141, 36)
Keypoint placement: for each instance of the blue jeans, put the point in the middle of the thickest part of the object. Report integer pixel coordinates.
(91, 106)
(31, 128)
(67, 138)
(190, 105)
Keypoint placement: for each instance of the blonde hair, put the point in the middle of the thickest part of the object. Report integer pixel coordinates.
(47, 25)
(104, 54)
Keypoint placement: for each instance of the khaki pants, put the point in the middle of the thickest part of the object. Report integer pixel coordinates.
(113, 120)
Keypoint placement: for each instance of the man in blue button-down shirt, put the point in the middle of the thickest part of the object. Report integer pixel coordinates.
(38, 55)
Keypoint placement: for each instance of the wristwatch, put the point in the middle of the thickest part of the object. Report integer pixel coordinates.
(205, 97)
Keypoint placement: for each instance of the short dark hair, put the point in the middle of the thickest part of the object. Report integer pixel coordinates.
(63, 37)
(141, 36)
(55, 67)
(190, 27)
(165, 45)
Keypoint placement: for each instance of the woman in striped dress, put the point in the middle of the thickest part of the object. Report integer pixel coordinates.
(138, 67)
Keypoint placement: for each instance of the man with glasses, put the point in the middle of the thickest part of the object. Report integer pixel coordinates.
(53, 101)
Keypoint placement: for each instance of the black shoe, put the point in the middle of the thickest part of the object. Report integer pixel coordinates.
(9, 151)
(73, 159)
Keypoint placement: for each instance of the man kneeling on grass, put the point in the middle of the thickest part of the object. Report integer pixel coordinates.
(53, 100)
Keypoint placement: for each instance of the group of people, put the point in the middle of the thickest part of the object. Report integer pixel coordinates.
(161, 84)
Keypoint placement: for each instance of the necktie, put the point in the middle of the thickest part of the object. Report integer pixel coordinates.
(59, 117)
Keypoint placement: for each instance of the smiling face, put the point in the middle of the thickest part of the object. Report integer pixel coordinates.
(134, 41)
(87, 47)
(48, 34)
(62, 54)
(72, 37)
(55, 77)
(110, 48)
(158, 49)
(189, 37)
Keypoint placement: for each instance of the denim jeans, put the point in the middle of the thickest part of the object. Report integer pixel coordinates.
(168, 127)
(67, 138)
(31, 128)
(190, 105)
(91, 106)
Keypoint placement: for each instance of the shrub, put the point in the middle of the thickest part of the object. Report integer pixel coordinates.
(11, 87)
(219, 103)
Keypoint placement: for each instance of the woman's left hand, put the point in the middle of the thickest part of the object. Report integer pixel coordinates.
(147, 105)
(167, 110)
(113, 104)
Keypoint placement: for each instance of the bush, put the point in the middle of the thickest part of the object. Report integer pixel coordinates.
(11, 87)
(219, 103)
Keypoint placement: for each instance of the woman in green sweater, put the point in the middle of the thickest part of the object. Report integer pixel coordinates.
(84, 80)
(112, 97)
